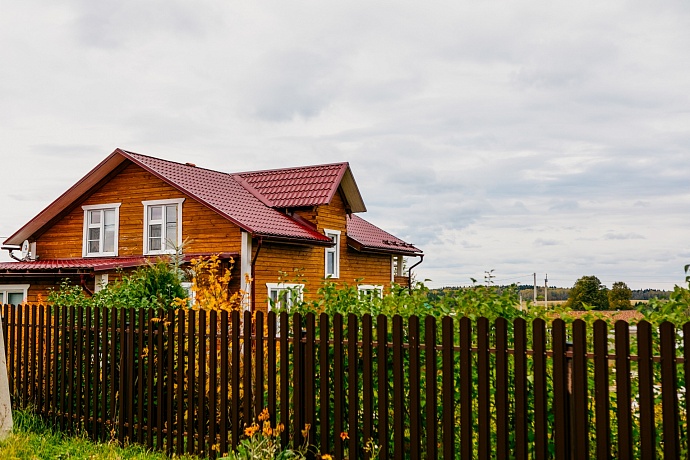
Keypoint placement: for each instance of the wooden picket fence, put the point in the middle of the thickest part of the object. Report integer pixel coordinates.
(191, 381)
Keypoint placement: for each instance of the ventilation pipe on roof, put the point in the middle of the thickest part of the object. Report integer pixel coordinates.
(409, 272)
(253, 270)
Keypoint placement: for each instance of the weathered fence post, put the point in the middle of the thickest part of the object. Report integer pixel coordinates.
(6, 421)
(570, 425)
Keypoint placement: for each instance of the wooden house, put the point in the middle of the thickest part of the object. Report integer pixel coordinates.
(133, 208)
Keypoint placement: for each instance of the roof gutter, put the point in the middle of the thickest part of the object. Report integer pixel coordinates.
(409, 272)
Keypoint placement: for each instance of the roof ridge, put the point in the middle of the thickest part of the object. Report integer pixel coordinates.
(292, 168)
(189, 165)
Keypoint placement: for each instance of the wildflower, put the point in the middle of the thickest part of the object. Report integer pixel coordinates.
(250, 430)
(267, 428)
(344, 435)
(326, 457)
(305, 431)
(263, 416)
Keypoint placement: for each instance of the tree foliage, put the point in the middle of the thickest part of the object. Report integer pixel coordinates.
(620, 296)
(588, 293)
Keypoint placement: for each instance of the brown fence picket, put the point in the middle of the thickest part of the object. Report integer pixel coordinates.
(41, 360)
(324, 387)
(561, 407)
(601, 390)
(271, 382)
(541, 428)
(448, 388)
(382, 385)
(466, 389)
(310, 380)
(501, 385)
(483, 389)
(213, 414)
(623, 391)
(32, 356)
(520, 397)
(235, 376)
(645, 362)
(414, 383)
(180, 378)
(352, 386)
(258, 363)
(398, 390)
(223, 384)
(284, 379)
(431, 391)
(191, 372)
(297, 381)
(249, 418)
(669, 391)
(367, 384)
(579, 380)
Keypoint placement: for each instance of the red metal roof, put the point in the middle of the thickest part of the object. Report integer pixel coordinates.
(370, 237)
(296, 187)
(93, 263)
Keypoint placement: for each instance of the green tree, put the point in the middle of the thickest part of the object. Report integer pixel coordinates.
(588, 291)
(620, 296)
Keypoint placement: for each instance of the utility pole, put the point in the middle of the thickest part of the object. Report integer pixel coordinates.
(535, 288)
(546, 291)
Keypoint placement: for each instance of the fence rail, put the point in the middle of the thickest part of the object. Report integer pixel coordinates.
(192, 381)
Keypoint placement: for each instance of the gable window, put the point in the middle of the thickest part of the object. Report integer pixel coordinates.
(332, 262)
(369, 291)
(100, 229)
(162, 226)
(13, 294)
(282, 296)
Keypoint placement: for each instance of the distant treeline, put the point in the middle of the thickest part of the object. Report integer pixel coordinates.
(559, 293)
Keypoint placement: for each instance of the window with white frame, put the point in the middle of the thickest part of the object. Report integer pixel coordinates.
(101, 224)
(13, 294)
(281, 296)
(369, 291)
(162, 226)
(332, 262)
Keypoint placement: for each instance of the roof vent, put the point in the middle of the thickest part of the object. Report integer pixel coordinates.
(191, 164)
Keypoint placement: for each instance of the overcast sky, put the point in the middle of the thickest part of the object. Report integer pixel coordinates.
(523, 137)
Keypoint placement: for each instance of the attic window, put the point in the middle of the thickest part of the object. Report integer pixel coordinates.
(100, 229)
(162, 226)
(332, 261)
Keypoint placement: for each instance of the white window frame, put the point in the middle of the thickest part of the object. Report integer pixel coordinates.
(335, 250)
(369, 289)
(85, 243)
(6, 289)
(164, 237)
(280, 287)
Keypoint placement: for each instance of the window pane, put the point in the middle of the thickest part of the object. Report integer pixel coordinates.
(155, 212)
(95, 217)
(109, 240)
(94, 234)
(109, 217)
(155, 231)
(171, 213)
(154, 244)
(330, 263)
(15, 298)
(2, 298)
(170, 235)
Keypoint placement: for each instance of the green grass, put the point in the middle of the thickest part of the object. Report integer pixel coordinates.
(32, 438)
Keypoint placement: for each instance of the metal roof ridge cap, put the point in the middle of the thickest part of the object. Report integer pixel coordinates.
(262, 171)
(248, 187)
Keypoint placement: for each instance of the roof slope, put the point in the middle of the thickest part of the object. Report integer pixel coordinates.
(224, 194)
(303, 186)
(368, 237)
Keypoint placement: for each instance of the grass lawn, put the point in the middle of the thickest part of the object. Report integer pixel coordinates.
(33, 439)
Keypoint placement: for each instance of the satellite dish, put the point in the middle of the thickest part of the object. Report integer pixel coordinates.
(25, 249)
